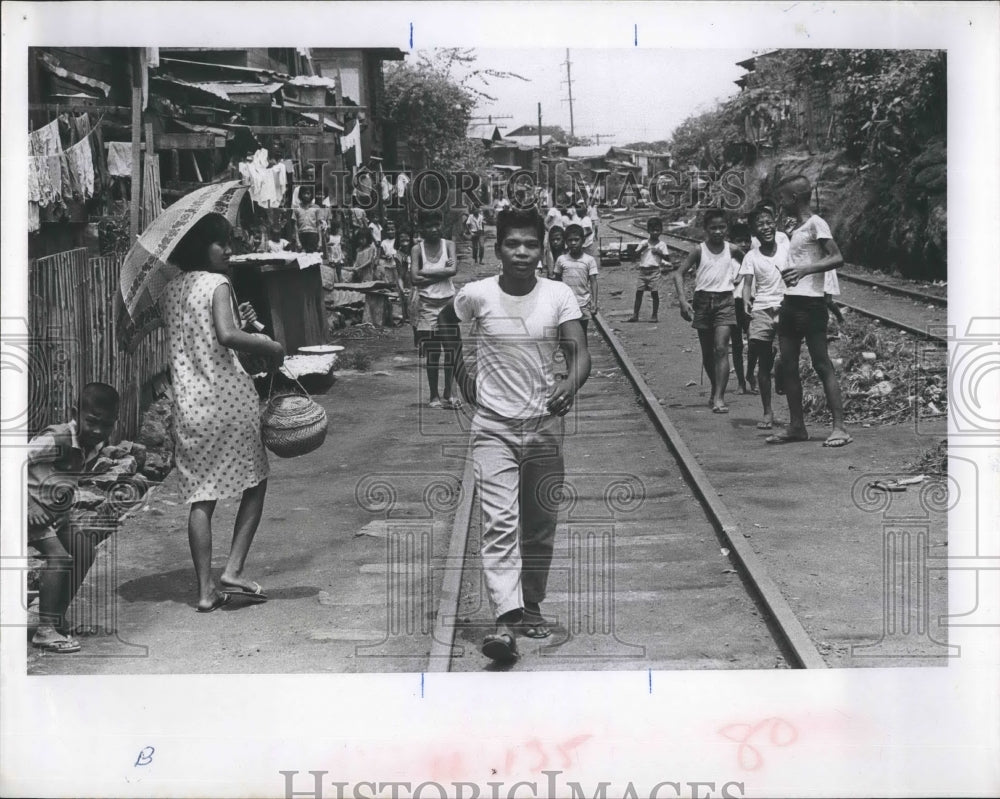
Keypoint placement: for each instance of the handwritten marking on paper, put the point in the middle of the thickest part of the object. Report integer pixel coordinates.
(780, 732)
(145, 756)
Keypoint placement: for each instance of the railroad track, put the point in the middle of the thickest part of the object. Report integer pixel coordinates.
(682, 243)
(650, 568)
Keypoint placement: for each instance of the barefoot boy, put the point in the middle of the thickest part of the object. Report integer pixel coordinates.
(812, 252)
(714, 311)
(653, 255)
(762, 267)
(578, 271)
(57, 457)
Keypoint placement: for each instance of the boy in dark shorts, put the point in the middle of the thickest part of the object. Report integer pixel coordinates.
(812, 252)
(57, 457)
(652, 256)
(763, 267)
(714, 311)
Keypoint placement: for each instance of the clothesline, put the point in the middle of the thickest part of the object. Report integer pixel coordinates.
(56, 173)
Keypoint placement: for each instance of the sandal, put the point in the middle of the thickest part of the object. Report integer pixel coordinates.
(534, 626)
(60, 646)
(500, 647)
(436, 404)
(838, 440)
(784, 438)
(452, 403)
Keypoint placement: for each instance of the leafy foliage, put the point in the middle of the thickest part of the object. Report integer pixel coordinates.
(431, 109)
(884, 104)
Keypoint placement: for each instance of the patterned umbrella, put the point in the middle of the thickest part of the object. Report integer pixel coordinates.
(147, 269)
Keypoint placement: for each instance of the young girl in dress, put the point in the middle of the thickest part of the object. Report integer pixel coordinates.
(219, 452)
(335, 249)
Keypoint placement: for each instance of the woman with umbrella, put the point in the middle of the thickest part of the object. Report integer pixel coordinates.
(219, 452)
(177, 273)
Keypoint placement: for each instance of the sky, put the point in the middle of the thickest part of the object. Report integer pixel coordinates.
(635, 94)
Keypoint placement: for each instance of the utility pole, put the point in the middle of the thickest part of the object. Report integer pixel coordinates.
(539, 144)
(598, 136)
(569, 86)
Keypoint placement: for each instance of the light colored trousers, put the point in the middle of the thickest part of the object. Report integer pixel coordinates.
(519, 470)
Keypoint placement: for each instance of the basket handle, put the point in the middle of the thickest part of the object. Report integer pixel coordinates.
(270, 387)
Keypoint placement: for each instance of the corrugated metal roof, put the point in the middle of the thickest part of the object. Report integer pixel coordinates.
(229, 90)
(313, 80)
(529, 141)
(590, 151)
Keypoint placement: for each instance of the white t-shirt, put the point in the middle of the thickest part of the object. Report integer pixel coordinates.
(475, 223)
(576, 274)
(805, 248)
(516, 340)
(766, 273)
(652, 258)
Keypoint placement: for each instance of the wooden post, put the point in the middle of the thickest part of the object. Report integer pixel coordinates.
(138, 65)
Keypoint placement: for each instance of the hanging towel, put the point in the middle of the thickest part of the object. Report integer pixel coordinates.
(81, 164)
(33, 221)
(401, 183)
(386, 189)
(352, 141)
(120, 159)
(45, 140)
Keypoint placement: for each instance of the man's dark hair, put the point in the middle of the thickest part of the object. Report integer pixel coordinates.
(654, 221)
(756, 213)
(574, 228)
(739, 231)
(713, 213)
(799, 178)
(429, 217)
(508, 220)
(190, 252)
(99, 396)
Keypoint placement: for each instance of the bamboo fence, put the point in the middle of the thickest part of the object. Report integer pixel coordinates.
(73, 340)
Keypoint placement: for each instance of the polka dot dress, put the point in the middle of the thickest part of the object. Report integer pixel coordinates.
(219, 452)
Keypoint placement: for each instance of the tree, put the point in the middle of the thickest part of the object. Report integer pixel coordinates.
(430, 108)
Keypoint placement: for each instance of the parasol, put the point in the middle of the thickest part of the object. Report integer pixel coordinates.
(146, 269)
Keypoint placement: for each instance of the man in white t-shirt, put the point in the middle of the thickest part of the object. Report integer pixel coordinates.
(520, 321)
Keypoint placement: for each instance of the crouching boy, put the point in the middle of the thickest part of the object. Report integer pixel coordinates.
(57, 457)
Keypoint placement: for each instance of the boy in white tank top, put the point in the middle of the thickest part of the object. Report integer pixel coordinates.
(714, 312)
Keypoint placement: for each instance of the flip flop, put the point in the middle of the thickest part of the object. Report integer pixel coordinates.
(257, 595)
(436, 404)
(500, 647)
(781, 438)
(765, 425)
(220, 600)
(838, 441)
(60, 646)
(720, 409)
(534, 627)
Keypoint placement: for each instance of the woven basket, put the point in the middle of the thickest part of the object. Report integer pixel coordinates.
(293, 425)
